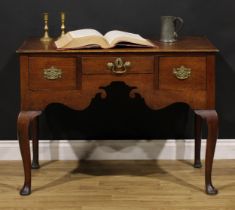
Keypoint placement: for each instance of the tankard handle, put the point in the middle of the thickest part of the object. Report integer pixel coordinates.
(179, 23)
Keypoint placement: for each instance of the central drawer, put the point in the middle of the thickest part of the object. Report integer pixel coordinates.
(118, 64)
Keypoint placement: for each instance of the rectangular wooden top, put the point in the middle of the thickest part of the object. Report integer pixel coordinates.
(185, 44)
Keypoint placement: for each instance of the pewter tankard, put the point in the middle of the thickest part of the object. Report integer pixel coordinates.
(170, 26)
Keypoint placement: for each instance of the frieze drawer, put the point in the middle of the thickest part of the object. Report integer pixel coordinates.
(181, 73)
(46, 73)
(118, 65)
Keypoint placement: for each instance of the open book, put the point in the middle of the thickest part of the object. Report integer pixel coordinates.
(88, 38)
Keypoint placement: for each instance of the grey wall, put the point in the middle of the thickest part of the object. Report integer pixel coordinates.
(132, 119)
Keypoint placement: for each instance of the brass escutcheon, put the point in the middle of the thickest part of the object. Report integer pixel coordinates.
(119, 66)
(52, 73)
(182, 72)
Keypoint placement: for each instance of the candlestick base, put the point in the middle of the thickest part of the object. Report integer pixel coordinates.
(45, 39)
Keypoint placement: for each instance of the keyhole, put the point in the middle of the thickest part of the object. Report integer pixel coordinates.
(119, 63)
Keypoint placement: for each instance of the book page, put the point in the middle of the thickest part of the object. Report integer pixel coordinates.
(87, 37)
(115, 36)
(85, 32)
(82, 38)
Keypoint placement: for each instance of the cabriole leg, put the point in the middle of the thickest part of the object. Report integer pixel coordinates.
(198, 131)
(23, 125)
(211, 118)
(34, 134)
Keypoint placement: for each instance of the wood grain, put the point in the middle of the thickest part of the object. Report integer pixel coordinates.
(98, 65)
(158, 87)
(117, 185)
(197, 79)
(68, 66)
(184, 44)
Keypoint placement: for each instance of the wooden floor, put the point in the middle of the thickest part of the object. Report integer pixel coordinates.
(117, 185)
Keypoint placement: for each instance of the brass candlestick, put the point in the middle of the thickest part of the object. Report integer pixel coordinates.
(62, 16)
(46, 37)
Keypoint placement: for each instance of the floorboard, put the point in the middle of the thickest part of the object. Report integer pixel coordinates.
(117, 185)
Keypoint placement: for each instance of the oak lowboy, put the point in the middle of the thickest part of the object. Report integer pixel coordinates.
(180, 72)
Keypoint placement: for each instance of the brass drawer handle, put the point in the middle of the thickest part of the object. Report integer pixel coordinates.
(52, 73)
(182, 72)
(119, 66)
